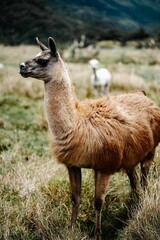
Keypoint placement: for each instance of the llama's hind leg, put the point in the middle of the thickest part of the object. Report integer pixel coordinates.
(133, 177)
(75, 181)
(101, 185)
(145, 166)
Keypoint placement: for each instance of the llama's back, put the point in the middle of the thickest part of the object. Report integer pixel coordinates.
(141, 109)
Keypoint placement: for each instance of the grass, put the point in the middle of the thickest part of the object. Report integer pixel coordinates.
(144, 222)
(35, 193)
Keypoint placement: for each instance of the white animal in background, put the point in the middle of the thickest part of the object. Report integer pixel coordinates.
(100, 78)
(1, 65)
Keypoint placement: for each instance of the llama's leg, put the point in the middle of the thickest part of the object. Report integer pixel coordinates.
(133, 177)
(145, 166)
(75, 181)
(105, 90)
(101, 185)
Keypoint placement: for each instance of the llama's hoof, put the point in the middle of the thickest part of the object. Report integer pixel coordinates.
(98, 235)
(70, 227)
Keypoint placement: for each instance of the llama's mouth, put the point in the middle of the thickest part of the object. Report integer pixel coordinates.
(25, 74)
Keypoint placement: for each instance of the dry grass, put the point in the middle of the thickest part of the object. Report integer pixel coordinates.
(35, 193)
(144, 222)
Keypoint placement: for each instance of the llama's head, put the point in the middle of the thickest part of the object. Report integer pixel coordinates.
(94, 63)
(42, 65)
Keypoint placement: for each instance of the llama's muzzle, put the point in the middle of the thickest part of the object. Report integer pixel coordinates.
(23, 71)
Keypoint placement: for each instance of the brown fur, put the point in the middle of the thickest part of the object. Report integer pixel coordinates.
(111, 133)
(107, 134)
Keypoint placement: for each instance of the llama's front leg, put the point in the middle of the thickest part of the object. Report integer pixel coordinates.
(106, 90)
(75, 181)
(101, 185)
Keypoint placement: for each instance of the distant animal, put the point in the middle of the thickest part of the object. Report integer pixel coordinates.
(100, 78)
(81, 49)
(106, 134)
(1, 65)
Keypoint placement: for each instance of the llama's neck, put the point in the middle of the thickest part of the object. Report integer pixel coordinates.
(60, 105)
(95, 74)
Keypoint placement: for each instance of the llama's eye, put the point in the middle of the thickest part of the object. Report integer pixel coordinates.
(42, 62)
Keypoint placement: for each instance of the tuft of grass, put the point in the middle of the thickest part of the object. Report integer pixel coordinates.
(144, 222)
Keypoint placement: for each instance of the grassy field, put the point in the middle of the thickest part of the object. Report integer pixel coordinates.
(34, 191)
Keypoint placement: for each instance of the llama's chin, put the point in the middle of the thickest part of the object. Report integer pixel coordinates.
(25, 74)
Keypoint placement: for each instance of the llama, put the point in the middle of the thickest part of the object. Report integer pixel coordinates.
(106, 135)
(101, 77)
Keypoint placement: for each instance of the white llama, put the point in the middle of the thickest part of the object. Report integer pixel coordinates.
(100, 78)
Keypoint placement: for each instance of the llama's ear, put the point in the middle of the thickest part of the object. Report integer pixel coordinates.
(52, 46)
(42, 46)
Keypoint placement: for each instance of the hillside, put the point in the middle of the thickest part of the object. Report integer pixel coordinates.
(21, 21)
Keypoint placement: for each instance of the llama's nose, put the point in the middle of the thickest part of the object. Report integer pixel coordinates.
(22, 65)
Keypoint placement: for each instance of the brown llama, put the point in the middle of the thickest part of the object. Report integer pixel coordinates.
(107, 134)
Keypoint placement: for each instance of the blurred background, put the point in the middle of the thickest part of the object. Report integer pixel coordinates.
(110, 47)
(67, 20)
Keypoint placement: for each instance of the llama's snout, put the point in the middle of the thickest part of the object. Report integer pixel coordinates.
(24, 70)
(22, 65)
